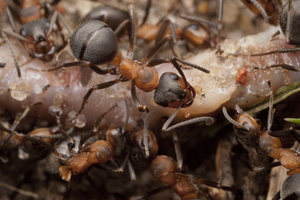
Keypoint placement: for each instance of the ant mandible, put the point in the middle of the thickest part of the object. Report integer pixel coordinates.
(247, 132)
(36, 33)
(171, 90)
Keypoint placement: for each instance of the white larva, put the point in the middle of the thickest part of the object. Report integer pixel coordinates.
(220, 87)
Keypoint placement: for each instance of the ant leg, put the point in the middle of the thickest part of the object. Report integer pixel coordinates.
(148, 6)
(145, 134)
(131, 172)
(156, 49)
(200, 21)
(261, 10)
(140, 107)
(57, 113)
(98, 121)
(171, 118)
(215, 185)
(97, 187)
(167, 23)
(284, 66)
(93, 67)
(271, 52)
(68, 191)
(4, 32)
(120, 28)
(150, 193)
(126, 117)
(11, 20)
(220, 25)
(207, 120)
(23, 115)
(190, 64)
(288, 22)
(120, 168)
(99, 87)
(33, 139)
(132, 31)
(178, 151)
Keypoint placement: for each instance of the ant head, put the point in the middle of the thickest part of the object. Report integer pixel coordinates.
(163, 168)
(39, 43)
(246, 128)
(172, 91)
(94, 41)
(250, 132)
(289, 22)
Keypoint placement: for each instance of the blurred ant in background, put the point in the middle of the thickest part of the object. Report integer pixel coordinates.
(268, 9)
(289, 24)
(271, 143)
(10, 139)
(36, 33)
(186, 186)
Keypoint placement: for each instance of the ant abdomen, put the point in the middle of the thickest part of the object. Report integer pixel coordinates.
(88, 37)
(109, 15)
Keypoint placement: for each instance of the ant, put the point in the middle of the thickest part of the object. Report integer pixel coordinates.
(171, 90)
(289, 24)
(197, 33)
(163, 168)
(121, 147)
(36, 33)
(10, 140)
(248, 133)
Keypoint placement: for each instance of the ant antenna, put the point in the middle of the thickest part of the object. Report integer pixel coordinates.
(288, 22)
(271, 110)
(232, 121)
(261, 10)
(178, 151)
(126, 116)
(132, 31)
(145, 133)
(207, 120)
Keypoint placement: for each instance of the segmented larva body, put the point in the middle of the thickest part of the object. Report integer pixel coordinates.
(241, 80)
(232, 80)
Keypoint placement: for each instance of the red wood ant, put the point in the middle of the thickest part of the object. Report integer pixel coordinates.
(122, 148)
(163, 168)
(171, 90)
(197, 33)
(247, 132)
(9, 139)
(36, 33)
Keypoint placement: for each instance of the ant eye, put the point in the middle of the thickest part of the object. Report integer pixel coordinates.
(246, 125)
(174, 77)
(119, 129)
(22, 32)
